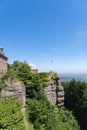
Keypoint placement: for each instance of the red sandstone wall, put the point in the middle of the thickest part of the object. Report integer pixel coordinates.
(3, 65)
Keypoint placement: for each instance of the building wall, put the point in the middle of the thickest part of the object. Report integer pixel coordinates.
(3, 62)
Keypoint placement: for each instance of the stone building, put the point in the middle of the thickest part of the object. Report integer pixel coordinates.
(3, 62)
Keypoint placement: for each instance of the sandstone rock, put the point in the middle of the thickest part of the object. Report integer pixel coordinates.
(54, 90)
(16, 90)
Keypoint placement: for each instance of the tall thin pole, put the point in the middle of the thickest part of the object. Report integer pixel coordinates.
(51, 64)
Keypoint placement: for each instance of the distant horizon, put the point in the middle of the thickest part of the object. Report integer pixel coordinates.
(74, 73)
(68, 77)
(51, 34)
(59, 72)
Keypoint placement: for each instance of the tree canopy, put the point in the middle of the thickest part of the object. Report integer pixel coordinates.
(76, 100)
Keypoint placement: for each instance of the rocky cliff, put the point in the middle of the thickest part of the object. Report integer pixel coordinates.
(16, 90)
(54, 90)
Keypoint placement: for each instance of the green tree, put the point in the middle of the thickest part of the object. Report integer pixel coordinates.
(42, 113)
(45, 116)
(35, 88)
(76, 100)
(19, 71)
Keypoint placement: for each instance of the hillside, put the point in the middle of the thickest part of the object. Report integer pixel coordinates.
(43, 114)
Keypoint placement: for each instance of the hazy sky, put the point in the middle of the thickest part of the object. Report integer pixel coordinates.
(37, 31)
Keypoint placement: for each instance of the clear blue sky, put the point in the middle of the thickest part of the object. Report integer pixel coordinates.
(38, 30)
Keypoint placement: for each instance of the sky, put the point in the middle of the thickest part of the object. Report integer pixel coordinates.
(52, 34)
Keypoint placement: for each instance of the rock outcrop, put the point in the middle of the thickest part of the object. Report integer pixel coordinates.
(16, 90)
(54, 90)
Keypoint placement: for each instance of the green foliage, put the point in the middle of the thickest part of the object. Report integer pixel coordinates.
(11, 117)
(67, 117)
(29, 124)
(18, 71)
(41, 112)
(43, 76)
(56, 75)
(2, 83)
(35, 88)
(76, 100)
(22, 71)
(45, 116)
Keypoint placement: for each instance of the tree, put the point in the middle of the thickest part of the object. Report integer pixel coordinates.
(45, 116)
(76, 100)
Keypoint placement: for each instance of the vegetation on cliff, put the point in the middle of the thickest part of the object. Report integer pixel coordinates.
(40, 112)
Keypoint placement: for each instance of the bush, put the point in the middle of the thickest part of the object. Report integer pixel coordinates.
(11, 117)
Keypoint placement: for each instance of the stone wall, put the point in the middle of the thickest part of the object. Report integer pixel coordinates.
(3, 63)
(54, 90)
